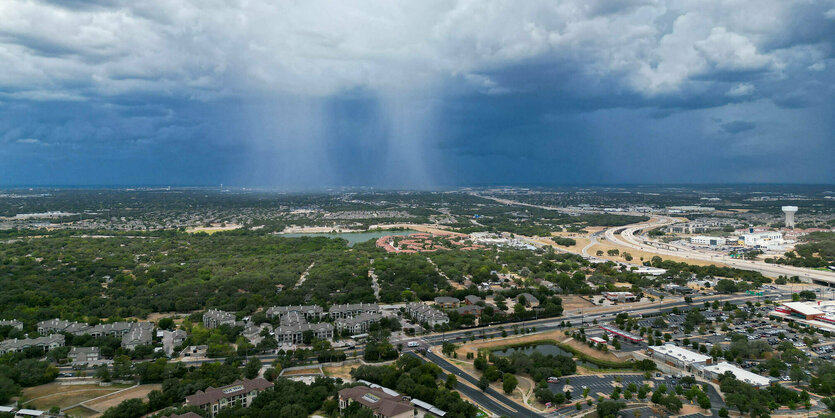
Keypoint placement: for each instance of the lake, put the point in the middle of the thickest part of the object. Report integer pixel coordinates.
(354, 237)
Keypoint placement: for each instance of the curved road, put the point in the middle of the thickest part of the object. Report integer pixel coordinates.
(627, 238)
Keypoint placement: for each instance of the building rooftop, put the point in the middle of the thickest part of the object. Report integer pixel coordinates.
(804, 308)
(212, 395)
(740, 374)
(680, 353)
(377, 400)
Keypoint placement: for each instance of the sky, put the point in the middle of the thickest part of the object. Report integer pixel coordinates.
(416, 94)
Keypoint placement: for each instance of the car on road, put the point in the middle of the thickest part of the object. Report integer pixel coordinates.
(553, 379)
(413, 344)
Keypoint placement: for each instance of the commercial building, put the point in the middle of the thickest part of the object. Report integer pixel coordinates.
(674, 355)
(214, 318)
(819, 314)
(240, 393)
(615, 332)
(772, 240)
(620, 296)
(46, 343)
(690, 209)
(353, 309)
(710, 241)
(803, 310)
(81, 355)
(714, 372)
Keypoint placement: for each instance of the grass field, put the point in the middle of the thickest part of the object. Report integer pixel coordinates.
(54, 394)
(81, 411)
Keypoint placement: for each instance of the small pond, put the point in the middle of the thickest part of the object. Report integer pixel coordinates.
(353, 237)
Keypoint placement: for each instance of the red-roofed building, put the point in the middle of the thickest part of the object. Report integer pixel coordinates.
(239, 393)
(382, 404)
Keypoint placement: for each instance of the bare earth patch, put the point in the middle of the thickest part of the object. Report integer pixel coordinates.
(570, 302)
(585, 349)
(141, 391)
(637, 254)
(341, 371)
(55, 394)
(312, 370)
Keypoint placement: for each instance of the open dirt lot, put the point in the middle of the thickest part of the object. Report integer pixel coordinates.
(141, 391)
(585, 349)
(311, 370)
(54, 394)
(212, 229)
(637, 254)
(581, 241)
(570, 302)
(341, 371)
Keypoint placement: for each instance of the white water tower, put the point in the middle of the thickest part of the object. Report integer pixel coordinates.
(789, 211)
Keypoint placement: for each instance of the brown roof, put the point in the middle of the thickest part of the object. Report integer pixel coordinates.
(212, 395)
(377, 400)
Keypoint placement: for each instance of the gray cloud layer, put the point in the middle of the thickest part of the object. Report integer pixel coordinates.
(121, 77)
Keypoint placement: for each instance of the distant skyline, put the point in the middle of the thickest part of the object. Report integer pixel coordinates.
(405, 94)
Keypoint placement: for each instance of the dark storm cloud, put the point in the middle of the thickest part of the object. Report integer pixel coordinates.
(415, 93)
(737, 126)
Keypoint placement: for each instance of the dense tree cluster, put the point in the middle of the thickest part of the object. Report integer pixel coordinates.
(411, 376)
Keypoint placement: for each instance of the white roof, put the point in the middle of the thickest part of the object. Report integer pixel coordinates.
(739, 374)
(682, 354)
(32, 412)
(6, 409)
(428, 407)
(804, 308)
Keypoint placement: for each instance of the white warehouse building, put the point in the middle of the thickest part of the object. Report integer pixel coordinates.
(683, 358)
(705, 240)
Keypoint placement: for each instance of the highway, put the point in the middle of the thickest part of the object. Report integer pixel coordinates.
(489, 399)
(627, 238)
